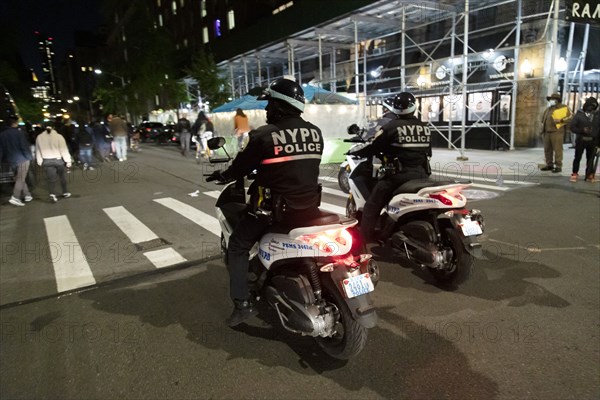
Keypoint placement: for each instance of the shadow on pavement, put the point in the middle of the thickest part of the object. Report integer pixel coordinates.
(497, 278)
(417, 363)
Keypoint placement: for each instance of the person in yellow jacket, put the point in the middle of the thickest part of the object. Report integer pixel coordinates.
(554, 121)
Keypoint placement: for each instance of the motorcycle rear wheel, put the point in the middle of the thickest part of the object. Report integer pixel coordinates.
(461, 267)
(350, 337)
(343, 180)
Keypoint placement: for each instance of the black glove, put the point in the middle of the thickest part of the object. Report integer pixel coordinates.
(215, 176)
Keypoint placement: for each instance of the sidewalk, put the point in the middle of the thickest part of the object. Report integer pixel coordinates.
(519, 165)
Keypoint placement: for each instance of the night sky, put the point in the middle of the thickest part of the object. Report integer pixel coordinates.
(58, 19)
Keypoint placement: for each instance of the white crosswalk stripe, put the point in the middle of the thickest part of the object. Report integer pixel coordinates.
(137, 232)
(71, 269)
(198, 217)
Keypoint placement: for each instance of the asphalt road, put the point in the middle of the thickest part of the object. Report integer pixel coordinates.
(525, 326)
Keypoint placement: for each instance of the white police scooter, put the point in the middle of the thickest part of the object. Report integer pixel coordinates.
(308, 274)
(425, 222)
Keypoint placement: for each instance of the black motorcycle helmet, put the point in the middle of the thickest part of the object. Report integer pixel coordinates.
(286, 90)
(401, 104)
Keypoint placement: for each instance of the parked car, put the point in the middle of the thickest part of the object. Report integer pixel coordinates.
(151, 131)
(170, 136)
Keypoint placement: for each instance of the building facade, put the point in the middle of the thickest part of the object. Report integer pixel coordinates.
(481, 70)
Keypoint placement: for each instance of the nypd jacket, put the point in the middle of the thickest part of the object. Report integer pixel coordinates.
(286, 157)
(407, 139)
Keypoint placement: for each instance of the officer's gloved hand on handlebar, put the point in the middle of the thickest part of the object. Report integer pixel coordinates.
(216, 176)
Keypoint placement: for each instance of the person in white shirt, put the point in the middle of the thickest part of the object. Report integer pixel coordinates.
(52, 153)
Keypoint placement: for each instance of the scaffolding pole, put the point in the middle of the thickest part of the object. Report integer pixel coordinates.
(582, 64)
(465, 70)
(320, 62)
(554, 47)
(232, 79)
(245, 75)
(451, 77)
(402, 55)
(356, 77)
(565, 90)
(513, 97)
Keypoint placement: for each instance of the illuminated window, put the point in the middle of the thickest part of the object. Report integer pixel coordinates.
(203, 8)
(158, 3)
(160, 20)
(174, 7)
(283, 7)
(181, 3)
(205, 35)
(231, 19)
(217, 27)
(185, 43)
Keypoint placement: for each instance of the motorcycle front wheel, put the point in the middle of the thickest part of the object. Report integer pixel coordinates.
(460, 267)
(350, 337)
(343, 180)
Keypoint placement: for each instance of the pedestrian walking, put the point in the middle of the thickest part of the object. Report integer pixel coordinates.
(198, 130)
(585, 125)
(554, 121)
(184, 128)
(15, 150)
(119, 131)
(241, 128)
(85, 143)
(52, 155)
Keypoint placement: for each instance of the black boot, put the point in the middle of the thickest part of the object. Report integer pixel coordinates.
(243, 309)
(547, 168)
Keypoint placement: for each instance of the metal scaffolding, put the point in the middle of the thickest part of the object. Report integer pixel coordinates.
(346, 40)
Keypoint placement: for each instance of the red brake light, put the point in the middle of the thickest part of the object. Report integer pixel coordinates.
(440, 197)
(148, 129)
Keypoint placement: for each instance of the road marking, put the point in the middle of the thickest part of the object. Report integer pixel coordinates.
(198, 217)
(328, 179)
(137, 232)
(469, 176)
(71, 268)
(479, 185)
(164, 257)
(490, 187)
(335, 192)
(333, 208)
(214, 194)
(325, 206)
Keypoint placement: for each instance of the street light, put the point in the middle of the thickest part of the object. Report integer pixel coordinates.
(100, 72)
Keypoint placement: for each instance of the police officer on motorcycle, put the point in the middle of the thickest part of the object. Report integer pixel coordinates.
(286, 155)
(404, 147)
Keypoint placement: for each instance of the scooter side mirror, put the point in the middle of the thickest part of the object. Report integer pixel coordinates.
(353, 130)
(216, 142)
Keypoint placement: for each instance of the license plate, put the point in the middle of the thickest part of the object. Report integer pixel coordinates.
(358, 285)
(470, 228)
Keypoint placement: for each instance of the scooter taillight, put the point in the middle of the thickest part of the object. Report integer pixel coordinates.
(441, 197)
(328, 241)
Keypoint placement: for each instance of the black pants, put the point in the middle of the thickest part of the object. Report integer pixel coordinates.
(55, 170)
(381, 194)
(589, 147)
(247, 232)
